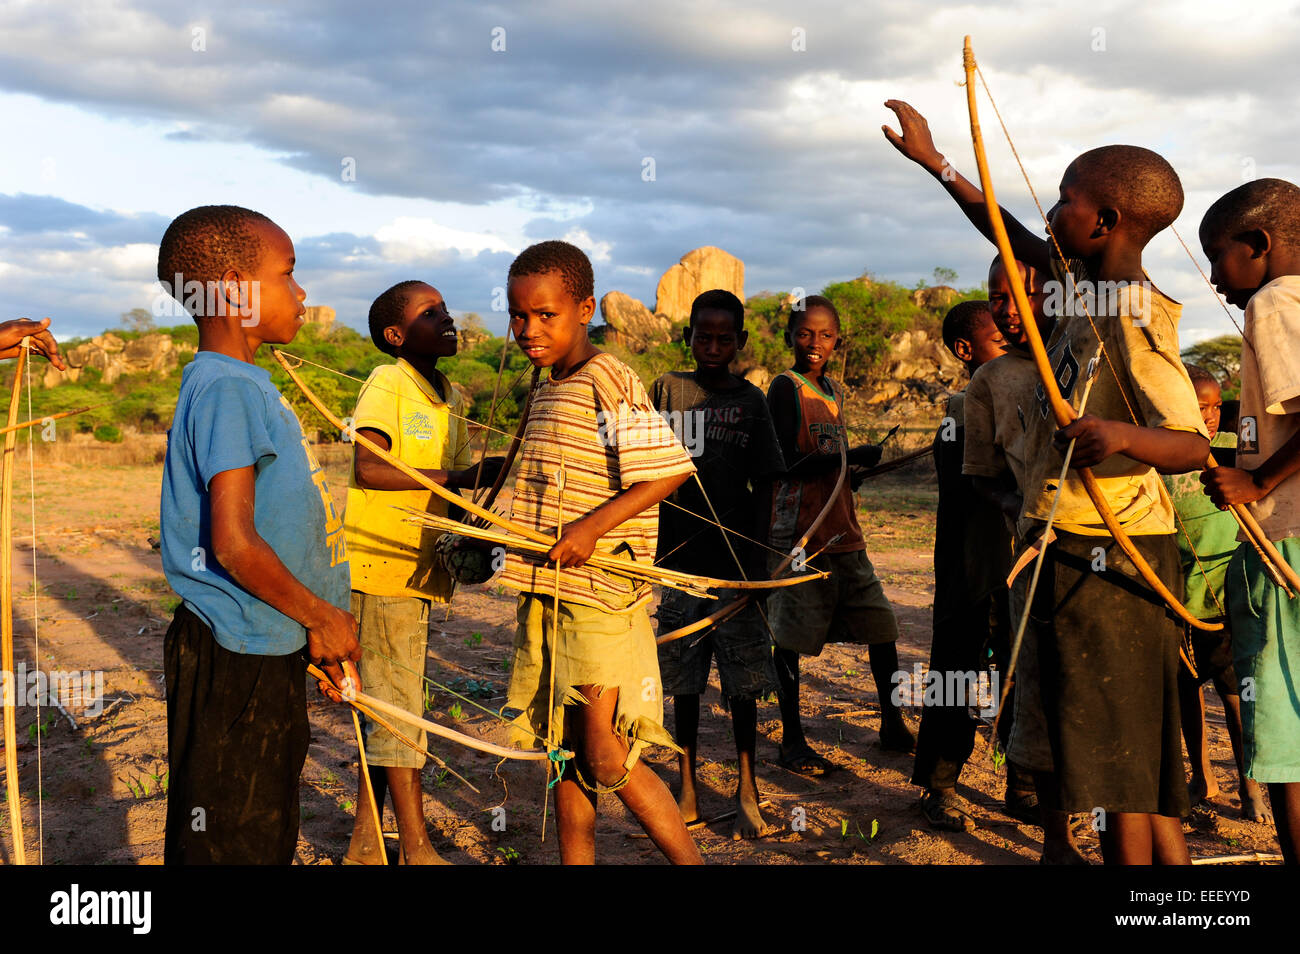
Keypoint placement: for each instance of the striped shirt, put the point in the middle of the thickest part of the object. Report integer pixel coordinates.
(600, 425)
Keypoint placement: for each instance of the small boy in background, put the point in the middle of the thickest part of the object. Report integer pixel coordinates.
(412, 411)
(1206, 543)
(252, 544)
(738, 456)
(994, 413)
(585, 671)
(1252, 238)
(849, 605)
(972, 554)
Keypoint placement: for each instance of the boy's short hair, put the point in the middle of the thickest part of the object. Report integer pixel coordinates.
(1271, 204)
(568, 260)
(809, 303)
(961, 320)
(1199, 374)
(719, 299)
(386, 311)
(1033, 277)
(204, 243)
(1137, 182)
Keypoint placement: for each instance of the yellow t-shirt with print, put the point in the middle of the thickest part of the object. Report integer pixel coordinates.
(1143, 382)
(391, 557)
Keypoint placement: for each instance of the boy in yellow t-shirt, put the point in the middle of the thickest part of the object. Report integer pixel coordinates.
(411, 410)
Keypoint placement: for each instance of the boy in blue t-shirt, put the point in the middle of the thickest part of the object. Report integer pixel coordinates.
(252, 544)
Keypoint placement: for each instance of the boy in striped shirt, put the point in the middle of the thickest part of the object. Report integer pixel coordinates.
(597, 459)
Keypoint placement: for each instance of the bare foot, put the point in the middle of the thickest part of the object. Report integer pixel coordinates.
(421, 854)
(1202, 787)
(686, 803)
(749, 818)
(1252, 803)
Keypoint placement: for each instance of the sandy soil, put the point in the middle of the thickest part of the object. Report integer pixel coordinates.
(103, 605)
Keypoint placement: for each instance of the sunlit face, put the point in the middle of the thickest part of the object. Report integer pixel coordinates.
(277, 303)
(714, 339)
(427, 328)
(813, 339)
(986, 342)
(1210, 398)
(549, 324)
(1002, 303)
(1075, 218)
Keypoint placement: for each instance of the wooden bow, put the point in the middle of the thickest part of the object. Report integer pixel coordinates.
(12, 689)
(1061, 409)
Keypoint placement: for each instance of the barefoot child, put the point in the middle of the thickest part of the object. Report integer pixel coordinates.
(595, 687)
(972, 554)
(850, 605)
(1108, 652)
(1252, 239)
(995, 414)
(1207, 539)
(411, 410)
(726, 425)
(252, 544)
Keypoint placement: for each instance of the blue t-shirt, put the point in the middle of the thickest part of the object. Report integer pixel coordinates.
(229, 415)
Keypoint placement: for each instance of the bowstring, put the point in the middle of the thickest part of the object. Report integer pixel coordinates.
(36, 616)
(1101, 345)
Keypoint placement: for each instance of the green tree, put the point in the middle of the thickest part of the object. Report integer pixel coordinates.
(137, 319)
(1220, 356)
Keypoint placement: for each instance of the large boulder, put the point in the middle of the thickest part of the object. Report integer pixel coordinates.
(321, 315)
(935, 299)
(698, 271)
(113, 357)
(915, 377)
(631, 324)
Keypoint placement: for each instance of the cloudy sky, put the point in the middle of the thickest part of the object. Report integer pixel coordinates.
(398, 140)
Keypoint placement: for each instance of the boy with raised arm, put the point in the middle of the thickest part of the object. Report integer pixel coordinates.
(1108, 651)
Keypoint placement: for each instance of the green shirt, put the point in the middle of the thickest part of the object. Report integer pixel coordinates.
(1213, 534)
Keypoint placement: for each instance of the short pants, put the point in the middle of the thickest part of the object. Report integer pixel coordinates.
(849, 606)
(740, 644)
(394, 637)
(237, 738)
(595, 648)
(1266, 658)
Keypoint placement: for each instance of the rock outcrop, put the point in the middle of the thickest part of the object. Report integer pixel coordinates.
(631, 324)
(113, 357)
(936, 298)
(698, 271)
(917, 374)
(321, 315)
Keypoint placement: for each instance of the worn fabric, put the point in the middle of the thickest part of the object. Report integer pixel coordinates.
(1108, 670)
(237, 737)
(796, 501)
(599, 426)
(972, 555)
(1270, 397)
(1028, 745)
(849, 606)
(733, 444)
(1266, 659)
(614, 651)
(1207, 538)
(391, 556)
(394, 636)
(1143, 373)
(997, 400)
(740, 644)
(229, 416)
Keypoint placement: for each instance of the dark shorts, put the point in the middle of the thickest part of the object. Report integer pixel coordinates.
(1212, 654)
(740, 644)
(849, 606)
(1108, 671)
(237, 738)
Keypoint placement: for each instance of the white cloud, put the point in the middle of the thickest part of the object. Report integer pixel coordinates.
(411, 239)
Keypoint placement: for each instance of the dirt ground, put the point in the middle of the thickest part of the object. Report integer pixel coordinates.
(103, 605)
